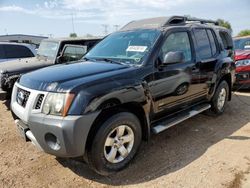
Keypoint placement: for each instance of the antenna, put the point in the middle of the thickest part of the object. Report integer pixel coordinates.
(72, 19)
(116, 27)
(105, 26)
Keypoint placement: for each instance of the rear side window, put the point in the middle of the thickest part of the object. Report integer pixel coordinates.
(16, 51)
(2, 56)
(203, 44)
(212, 42)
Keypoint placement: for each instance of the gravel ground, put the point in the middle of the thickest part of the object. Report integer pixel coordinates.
(204, 151)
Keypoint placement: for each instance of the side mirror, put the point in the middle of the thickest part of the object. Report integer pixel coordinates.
(174, 57)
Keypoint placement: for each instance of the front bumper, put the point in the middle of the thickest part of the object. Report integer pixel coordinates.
(59, 136)
(242, 80)
(56, 135)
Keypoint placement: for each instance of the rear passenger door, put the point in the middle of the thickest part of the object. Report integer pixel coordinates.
(207, 52)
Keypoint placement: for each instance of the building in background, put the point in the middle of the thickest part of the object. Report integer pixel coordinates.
(20, 38)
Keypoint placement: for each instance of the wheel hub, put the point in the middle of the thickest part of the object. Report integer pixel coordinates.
(119, 144)
(222, 98)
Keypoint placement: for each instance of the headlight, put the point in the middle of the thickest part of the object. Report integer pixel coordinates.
(245, 62)
(57, 103)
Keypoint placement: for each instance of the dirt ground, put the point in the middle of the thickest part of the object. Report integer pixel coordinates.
(204, 151)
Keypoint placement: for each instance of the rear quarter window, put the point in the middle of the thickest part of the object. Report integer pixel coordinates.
(226, 40)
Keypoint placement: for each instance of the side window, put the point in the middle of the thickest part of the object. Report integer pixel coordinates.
(212, 42)
(16, 51)
(178, 41)
(2, 56)
(73, 53)
(202, 40)
(25, 52)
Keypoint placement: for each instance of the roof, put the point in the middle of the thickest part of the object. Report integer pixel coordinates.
(15, 43)
(74, 39)
(19, 35)
(160, 22)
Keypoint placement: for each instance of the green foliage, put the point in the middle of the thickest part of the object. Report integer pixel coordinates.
(73, 35)
(243, 33)
(225, 24)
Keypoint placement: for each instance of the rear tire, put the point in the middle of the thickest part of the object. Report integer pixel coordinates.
(220, 98)
(115, 143)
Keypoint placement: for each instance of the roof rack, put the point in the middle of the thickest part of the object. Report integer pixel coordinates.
(202, 21)
(154, 23)
(175, 20)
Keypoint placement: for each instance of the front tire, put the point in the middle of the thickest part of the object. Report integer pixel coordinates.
(220, 98)
(115, 143)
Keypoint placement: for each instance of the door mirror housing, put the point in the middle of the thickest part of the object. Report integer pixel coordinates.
(174, 57)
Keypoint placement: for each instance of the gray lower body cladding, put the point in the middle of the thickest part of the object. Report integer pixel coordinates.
(62, 137)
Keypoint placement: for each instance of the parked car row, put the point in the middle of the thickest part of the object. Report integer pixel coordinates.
(147, 77)
(242, 58)
(50, 52)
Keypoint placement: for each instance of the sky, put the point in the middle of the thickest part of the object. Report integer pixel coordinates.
(59, 18)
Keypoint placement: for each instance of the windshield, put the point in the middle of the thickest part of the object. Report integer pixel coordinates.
(129, 47)
(242, 44)
(48, 49)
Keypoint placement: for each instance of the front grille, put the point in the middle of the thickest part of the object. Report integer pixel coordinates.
(39, 101)
(22, 97)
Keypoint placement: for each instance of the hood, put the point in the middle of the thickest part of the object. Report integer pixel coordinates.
(24, 64)
(50, 78)
(242, 54)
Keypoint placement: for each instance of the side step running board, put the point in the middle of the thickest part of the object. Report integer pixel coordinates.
(182, 116)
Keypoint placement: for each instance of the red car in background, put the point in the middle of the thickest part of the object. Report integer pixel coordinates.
(242, 60)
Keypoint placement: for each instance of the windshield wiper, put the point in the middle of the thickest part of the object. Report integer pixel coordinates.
(109, 60)
(87, 59)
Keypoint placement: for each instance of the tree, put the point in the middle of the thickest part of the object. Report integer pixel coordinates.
(243, 33)
(225, 24)
(73, 35)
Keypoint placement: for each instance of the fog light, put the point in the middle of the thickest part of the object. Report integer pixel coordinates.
(52, 141)
(245, 76)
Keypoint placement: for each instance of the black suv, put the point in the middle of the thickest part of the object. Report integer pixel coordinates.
(50, 52)
(143, 79)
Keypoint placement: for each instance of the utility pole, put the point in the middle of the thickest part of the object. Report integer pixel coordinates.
(72, 19)
(116, 27)
(105, 26)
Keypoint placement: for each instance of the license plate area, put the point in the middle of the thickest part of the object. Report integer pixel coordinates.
(22, 129)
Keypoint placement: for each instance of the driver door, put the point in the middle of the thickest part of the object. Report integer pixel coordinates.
(175, 85)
